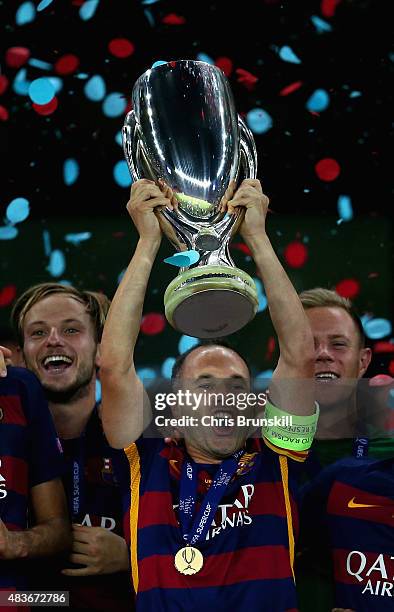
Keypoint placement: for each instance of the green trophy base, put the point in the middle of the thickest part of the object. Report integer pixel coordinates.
(211, 301)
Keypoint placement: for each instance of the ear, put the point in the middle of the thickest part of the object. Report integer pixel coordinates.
(97, 360)
(365, 360)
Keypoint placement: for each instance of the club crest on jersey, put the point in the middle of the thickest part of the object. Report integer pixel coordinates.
(246, 463)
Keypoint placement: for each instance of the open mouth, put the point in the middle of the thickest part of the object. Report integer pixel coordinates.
(223, 422)
(326, 377)
(56, 363)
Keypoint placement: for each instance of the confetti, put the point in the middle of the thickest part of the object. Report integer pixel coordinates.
(153, 323)
(261, 295)
(328, 7)
(287, 55)
(26, 13)
(344, 207)
(8, 232)
(46, 109)
(57, 263)
(7, 295)
(225, 64)
(21, 85)
(327, 169)
(158, 63)
(122, 174)
(76, 239)
(203, 57)
(183, 259)
(377, 328)
(290, 88)
(41, 91)
(18, 210)
(167, 366)
(114, 105)
(121, 47)
(36, 63)
(318, 101)
(259, 121)
(70, 171)
(320, 24)
(173, 19)
(16, 57)
(147, 375)
(348, 288)
(88, 9)
(4, 82)
(296, 254)
(67, 64)
(95, 88)
(4, 114)
(186, 343)
(247, 79)
(43, 5)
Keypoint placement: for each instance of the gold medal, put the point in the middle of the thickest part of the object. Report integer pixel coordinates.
(188, 560)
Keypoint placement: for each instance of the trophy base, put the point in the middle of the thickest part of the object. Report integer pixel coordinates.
(211, 301)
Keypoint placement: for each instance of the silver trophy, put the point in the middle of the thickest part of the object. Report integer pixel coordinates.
(184, 129)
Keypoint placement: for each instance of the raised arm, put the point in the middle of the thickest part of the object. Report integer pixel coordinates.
(124, 401)
(296, 361)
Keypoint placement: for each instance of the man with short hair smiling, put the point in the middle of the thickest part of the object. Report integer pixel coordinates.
(59, 331)
(212, 517)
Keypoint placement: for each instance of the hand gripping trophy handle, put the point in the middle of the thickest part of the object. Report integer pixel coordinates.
(211, 298)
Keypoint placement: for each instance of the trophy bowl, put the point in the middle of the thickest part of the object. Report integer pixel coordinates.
(184, 129)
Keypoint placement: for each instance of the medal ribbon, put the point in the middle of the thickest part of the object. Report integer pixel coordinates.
(195, 530)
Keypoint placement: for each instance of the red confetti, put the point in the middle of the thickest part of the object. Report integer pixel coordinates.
(328, 7)
(4, 114)
(3, 83)
(246, 78)
(296, 254)
(46, 109)
(67, 64)
(270, 348)
(380, 380)
(290, 88)
(153, 323)
(242, 247)
(327, 169)
(174, 19)
(121, 47)
(391, 367)
(16, 56)
(348, 288)
(383, 347)
(225, 64)
(7, 295)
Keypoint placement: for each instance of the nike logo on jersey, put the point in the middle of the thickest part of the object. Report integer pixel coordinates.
(353, 504)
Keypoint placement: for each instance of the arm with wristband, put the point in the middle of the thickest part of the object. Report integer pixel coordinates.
(292, 386)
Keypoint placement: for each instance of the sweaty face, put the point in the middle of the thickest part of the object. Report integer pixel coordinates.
(59, 345)
(339, 359)
(221, 373)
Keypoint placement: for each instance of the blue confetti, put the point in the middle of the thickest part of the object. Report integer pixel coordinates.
(344, 206)
(57, 263)
(158, 63)
(95, 88)
(43, 4)
(121, 174)
(121, 275)
(183, 259)
(375, 329)
(147, 375)
(148, 2)
(114, 105)
(119, 139)
(320, 24)
(88, 9)
(57, 83)
(70, 171)
(17, 210)
(166, 368)
(36, 63)
(149, 17)
(25, 13)
(390, 399)
(76, 239)
(82, 75)
(47, 242)
(261, 295)
(98, 391)
(318, 101)
(261, 380)
(21, 84)
(355, 94)
(203, 57)
(259, 121)
(287, 55)
(8, 232)
(186, 343)
(41, 91)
